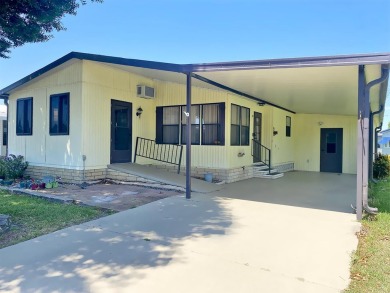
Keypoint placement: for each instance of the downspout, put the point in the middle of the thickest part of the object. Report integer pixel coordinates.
(371, 147)
(5, 99)
(384, 76)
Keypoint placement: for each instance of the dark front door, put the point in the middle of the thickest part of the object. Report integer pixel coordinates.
(256, 135)
(331, 159)
(120, 131)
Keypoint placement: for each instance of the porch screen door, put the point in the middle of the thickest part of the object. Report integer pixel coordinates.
(256, 135)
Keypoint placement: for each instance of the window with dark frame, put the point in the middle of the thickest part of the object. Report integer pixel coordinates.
(59, 114)
(288, 126)
(195, 125)
(5, 132)
(171, 124)
(207, 124)
(211, 128)
(239, 129)
(24, 111)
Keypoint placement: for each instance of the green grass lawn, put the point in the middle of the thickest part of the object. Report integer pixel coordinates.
(370, 271)
(32, 217)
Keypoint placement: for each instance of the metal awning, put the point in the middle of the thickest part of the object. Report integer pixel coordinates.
(313, 85)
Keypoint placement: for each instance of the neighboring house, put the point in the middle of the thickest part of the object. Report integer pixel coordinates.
(3, 130)
(384, 141)
(84, 112)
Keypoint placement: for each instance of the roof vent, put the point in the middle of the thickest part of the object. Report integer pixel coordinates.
(146, 92)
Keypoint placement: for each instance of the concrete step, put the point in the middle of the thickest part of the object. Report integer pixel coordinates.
(260, 167)
(262, 172)
(273, 175)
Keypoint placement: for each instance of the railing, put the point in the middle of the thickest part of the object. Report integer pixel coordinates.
(167, 153)
(261, 154)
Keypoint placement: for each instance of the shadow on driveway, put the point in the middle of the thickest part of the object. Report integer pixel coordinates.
(113, 250)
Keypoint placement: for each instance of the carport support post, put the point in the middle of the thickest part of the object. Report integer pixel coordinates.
(188, 138)
(362, 139)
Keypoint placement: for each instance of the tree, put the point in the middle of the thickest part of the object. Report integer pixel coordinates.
(32, 21)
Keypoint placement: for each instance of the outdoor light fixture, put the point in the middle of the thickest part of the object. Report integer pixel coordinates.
(139, 112)
(275, 132)
(261, 104)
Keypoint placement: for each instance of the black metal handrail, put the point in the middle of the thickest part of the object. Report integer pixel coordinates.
(261, 153)
(167, 153)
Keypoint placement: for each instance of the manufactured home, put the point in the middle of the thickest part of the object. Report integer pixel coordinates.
(85, 112)
(384, 142)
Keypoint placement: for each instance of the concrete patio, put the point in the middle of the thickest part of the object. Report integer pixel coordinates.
(227, 241)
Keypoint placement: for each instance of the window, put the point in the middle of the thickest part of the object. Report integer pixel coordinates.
(211, 127)
(170, 125)
(195, 125)
(5, 132)
(207, 124)
(24, 116)
(239, 134)
(288, 126)
(59, 114)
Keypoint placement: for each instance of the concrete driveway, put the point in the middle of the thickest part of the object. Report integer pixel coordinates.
(210, 243)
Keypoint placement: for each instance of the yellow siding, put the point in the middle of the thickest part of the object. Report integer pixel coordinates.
(247, 159)
(92, 85)
(307, 127)
(282, 146)
(41, 148)
(175, 94)
(102, 83)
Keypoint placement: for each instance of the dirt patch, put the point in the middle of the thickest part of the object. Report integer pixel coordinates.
(118, 197)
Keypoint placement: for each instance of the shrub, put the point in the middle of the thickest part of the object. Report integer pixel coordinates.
(381, 167)
(12, 167)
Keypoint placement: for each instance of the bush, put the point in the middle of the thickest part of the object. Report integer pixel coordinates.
(381, 166)
(12, 167)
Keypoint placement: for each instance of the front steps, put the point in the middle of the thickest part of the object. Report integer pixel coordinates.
(260, 170)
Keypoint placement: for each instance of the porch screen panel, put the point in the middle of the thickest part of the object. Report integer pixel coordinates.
(171, 122)
(195, 125)
(235, 126)
(244, 126)
(211, 132)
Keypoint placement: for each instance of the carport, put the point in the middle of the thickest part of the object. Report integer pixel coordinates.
(348, 85)
(353, 85)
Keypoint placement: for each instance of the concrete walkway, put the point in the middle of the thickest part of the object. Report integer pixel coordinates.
(161, 175)
(207, 244)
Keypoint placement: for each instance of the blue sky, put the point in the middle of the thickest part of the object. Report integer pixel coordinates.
(187, 31)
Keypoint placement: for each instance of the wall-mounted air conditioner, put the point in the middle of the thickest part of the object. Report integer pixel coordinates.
(146, 92)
